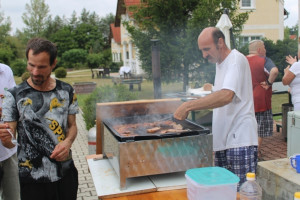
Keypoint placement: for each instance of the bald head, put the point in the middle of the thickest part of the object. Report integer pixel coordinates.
(211, 33)
(257, 47)
(206, 34)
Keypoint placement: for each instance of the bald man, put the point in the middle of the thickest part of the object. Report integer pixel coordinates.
(234, 126)
(264, 73)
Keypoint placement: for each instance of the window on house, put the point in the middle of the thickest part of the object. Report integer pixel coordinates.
(244, 40)
(247, 4)
(127, 54)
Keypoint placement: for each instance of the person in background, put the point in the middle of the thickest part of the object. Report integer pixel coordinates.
(43, 112)
(234, 127)
(264, 73)
(291, 77)
(10, 186)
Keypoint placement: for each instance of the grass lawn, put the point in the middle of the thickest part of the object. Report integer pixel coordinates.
(147, 88)
(277, 101)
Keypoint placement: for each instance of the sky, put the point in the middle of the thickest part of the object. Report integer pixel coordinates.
(15, 9)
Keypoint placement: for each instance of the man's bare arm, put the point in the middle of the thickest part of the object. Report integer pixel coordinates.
(62, 150)
(214, 100)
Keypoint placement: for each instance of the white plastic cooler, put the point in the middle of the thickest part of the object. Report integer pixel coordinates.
(211, 183)
(293, 133)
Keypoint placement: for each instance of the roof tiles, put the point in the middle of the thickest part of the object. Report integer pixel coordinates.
(116, 33)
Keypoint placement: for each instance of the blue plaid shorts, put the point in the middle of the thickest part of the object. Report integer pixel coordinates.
(239, 161)
(264, 123)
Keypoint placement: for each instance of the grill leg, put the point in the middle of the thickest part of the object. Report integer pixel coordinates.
(122, 183)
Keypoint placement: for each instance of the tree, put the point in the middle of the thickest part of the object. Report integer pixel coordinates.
(85, 35)
(35, 18)
(18, 67)
(104, 27)
(69, 34)
(294, 30)
(177, 25)
(290, 31)
(53, 26)
(94, 60)
(74, 58)
(286, 32)
(6, 55)
(77, 32)
(9, 46)
(102, 59)
(5, 27)
(87, 32)
(73, 21)
(277, 52)
(64, 40)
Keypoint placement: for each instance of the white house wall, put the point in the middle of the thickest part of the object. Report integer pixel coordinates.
(266, 20)
(129, 55)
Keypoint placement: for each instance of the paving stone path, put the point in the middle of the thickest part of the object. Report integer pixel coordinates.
(86, 189)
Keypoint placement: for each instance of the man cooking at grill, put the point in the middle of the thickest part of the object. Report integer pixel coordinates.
(234, 126)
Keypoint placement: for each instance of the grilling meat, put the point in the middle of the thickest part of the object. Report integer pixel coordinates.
(153, 130)
(160, 127)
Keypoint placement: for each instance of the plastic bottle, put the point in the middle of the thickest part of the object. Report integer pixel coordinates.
(250, 190)
(297, 196)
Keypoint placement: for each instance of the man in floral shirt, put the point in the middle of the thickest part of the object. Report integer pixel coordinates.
(43, 112)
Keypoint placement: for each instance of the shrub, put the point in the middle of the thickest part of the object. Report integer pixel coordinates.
(60, 72)
(115, 67)
(104, 94)
(6, 55)
(18, 67)
(94, 60)
(25, 76)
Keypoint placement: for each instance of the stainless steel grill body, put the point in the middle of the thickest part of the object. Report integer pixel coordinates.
(156, 156)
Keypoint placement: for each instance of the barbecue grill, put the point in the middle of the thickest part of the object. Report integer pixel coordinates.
(148, 154)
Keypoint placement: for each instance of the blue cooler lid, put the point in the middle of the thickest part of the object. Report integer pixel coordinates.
(212, 176)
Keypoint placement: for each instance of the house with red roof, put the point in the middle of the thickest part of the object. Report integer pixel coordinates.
(122, 46)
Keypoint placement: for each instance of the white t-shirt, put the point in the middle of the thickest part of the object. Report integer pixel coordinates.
(295, 84)
(7, 81)
(234, 125)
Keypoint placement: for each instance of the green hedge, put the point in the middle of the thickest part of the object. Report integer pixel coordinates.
(60, 72)
(18, 67)
(104, 94)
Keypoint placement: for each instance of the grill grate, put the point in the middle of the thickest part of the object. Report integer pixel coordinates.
(140, 133)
